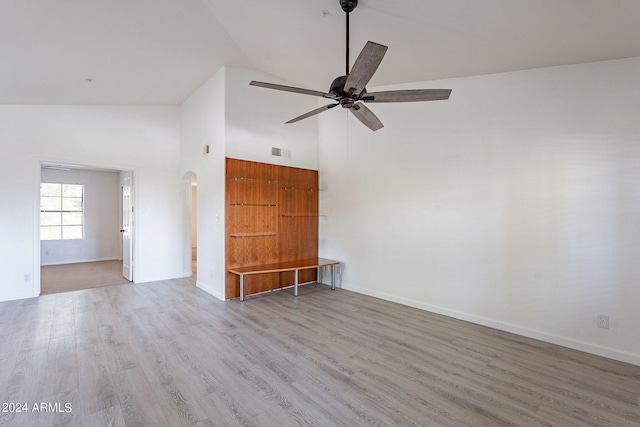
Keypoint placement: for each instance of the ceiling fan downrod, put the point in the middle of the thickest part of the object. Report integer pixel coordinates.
(348, 6)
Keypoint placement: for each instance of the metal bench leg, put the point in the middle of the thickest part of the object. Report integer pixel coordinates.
(295, 284)
(242, 287)
(333, 276)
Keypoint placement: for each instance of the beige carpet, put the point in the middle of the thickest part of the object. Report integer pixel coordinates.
(72, 277)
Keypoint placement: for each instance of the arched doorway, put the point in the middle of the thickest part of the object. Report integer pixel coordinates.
(190, 233)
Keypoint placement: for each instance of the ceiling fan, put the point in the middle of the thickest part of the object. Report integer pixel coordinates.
(349, 90)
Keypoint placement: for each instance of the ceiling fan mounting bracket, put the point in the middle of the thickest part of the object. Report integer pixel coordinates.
(348, 5)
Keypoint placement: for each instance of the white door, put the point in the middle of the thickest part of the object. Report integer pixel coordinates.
(127, 225)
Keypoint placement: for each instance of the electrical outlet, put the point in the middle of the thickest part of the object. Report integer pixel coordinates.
(603, 321)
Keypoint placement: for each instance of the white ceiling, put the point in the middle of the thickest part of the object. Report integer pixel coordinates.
(158, 52)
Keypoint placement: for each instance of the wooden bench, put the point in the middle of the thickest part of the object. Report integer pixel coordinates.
(285, 266)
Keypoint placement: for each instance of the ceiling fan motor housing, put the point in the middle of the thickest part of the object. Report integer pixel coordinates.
(348, 5)
(337, 88)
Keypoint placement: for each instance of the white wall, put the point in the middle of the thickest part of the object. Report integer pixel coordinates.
(515, 204)
(203, 123)
(255, 121)
(101, 239)
(143, 139)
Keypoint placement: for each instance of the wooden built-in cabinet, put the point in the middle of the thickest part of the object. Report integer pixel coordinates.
(271, 217)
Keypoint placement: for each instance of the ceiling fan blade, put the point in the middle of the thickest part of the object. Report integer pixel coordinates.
(292, 89)
(365, 66)
(312, 113)
(366, 116)
(411, 95)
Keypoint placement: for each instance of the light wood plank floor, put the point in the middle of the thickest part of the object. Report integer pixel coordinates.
(168, 354)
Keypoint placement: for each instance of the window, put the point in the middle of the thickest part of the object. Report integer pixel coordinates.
(61, 211)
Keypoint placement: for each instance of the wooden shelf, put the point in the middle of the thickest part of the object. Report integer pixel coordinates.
(300, 216)
(243, 235)
(244, 179)
(300, 189)
(268, 205)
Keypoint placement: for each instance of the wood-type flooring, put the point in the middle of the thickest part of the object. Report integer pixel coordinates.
(168, 354)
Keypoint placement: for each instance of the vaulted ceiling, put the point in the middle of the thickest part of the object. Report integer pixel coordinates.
(158, 52)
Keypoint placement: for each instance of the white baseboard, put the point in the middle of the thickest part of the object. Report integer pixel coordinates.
(607, 352)
(210, 290)
(79, 261)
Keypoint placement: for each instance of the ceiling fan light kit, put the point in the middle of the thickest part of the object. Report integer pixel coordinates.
(349, 91)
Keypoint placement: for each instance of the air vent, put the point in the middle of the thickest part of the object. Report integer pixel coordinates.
(280, 152)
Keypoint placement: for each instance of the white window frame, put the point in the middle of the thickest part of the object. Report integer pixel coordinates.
(60, 211)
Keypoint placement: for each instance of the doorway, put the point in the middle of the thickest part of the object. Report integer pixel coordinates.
(190, 233)
(194, 227)
(82, 223)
